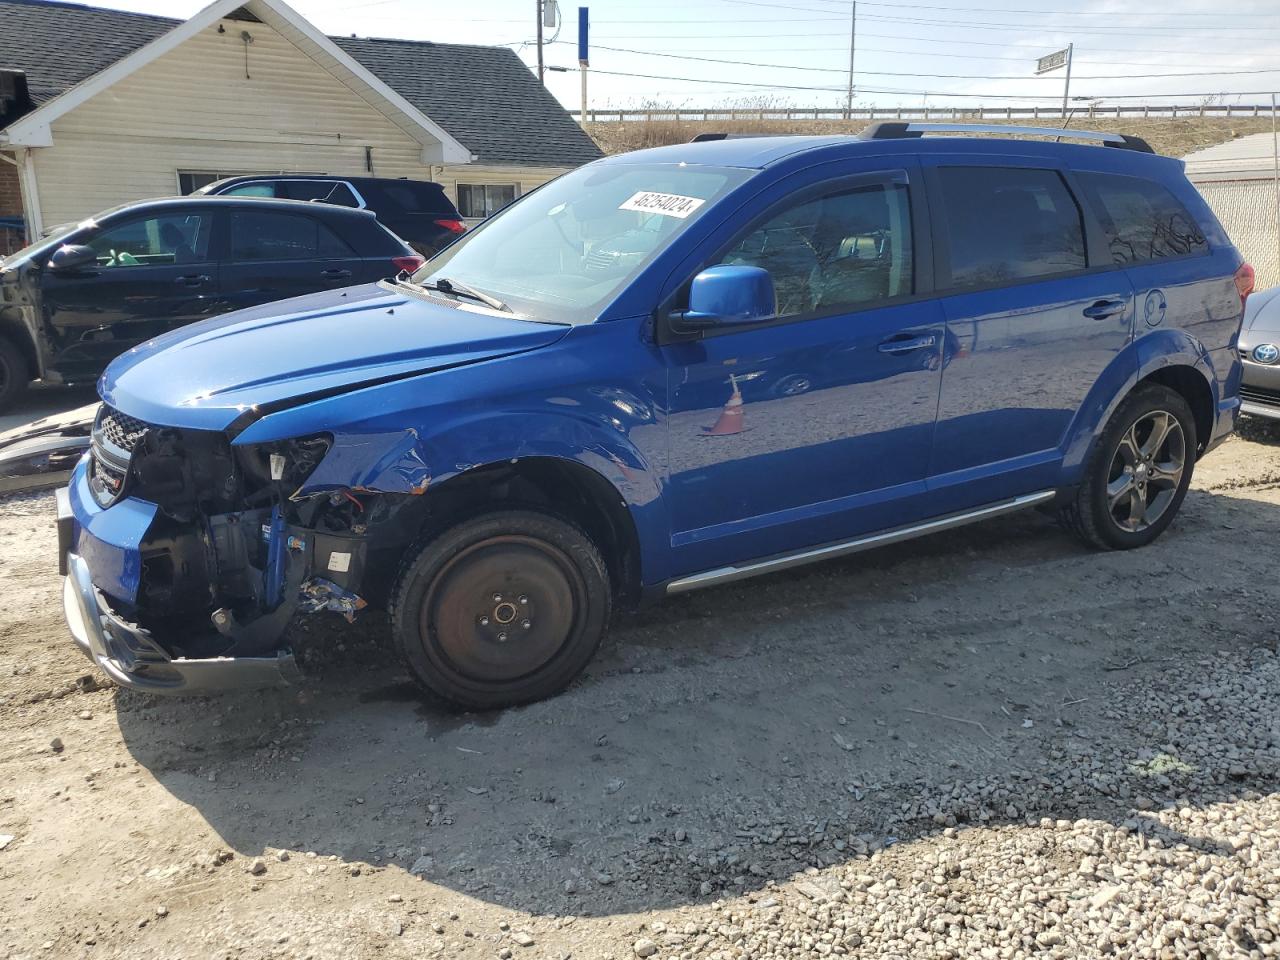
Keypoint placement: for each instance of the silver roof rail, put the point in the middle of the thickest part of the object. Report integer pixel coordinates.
(902, 130)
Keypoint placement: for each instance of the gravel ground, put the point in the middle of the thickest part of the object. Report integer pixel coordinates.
(990, 744)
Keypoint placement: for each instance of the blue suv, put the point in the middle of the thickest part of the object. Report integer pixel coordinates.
(663, 371)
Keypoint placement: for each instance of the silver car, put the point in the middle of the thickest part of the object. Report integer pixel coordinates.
(1260, 351)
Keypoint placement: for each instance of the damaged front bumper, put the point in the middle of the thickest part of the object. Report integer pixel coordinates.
(126, 652)
(128, 655)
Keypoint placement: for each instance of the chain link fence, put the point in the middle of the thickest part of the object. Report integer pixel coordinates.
(1247, 208)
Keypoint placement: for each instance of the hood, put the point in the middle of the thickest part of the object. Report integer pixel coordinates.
(1262, 311)
(210, 374)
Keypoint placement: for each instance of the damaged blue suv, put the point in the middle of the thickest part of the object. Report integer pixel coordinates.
(663, 371)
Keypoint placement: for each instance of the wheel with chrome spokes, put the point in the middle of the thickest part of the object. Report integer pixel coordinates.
(1146, 471)
(1138, 473)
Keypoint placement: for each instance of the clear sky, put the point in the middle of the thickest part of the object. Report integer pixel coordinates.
(952, 52)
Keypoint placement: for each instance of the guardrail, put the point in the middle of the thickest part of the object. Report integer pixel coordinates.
(1091, 111)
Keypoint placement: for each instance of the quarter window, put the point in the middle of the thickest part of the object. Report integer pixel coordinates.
(484, 200)
(1008, 224)
(846, 248)
(326, 191)
(154, 241)
(1141, 219)
(282, 236)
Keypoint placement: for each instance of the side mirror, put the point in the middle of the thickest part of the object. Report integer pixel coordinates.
(726, 295)
(72, 256)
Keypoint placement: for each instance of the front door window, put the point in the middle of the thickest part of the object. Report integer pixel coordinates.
(175, 238)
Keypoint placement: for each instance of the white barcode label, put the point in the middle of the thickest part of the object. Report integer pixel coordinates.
(667, 204)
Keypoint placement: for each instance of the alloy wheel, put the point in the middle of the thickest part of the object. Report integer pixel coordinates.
(1146, 471)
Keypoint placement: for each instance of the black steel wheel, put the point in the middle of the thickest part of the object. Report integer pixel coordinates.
(502, 609)
(1139, 472)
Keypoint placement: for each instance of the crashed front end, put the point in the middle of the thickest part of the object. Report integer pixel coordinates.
(185, 556)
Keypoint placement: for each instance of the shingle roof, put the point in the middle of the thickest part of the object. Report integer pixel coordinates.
(484, 96)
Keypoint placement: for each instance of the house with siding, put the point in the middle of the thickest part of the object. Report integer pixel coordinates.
(101, 107)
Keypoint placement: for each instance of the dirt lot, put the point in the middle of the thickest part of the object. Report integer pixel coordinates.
(991, 744)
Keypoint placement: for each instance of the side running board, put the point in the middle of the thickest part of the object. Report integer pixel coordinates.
(786, 561)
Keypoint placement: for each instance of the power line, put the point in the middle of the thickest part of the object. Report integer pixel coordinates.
(1105, 31)
(931, 76)
(1105, 14)
(702, 38)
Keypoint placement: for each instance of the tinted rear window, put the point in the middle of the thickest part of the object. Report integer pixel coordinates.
(1006, 224)
(409, 197)
(1142, 220)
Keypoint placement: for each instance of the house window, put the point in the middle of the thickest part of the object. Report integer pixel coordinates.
(478, 200)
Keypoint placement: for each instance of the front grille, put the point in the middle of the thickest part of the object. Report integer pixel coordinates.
(119, 429)
(1270, 398)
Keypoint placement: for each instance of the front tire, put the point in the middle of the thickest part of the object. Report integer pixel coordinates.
(502, 609)
(15, 377)
(1139, 472)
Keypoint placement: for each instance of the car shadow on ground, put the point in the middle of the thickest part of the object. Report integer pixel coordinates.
(731, 738)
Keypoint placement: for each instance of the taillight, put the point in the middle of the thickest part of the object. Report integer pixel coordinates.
(409, 264)
(1245, 279)
(453, 226)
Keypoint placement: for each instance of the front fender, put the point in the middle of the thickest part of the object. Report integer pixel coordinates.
(408, 436)
(1150, 353)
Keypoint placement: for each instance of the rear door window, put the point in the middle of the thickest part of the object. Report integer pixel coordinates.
(282, 236)
(251, 190)
(1009, 224)
(1141, 219)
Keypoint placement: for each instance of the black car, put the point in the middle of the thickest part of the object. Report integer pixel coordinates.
(75, 300)
(416, 210)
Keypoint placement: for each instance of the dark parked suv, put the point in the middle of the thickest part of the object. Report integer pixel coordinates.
(76, 299)
(416, 210)
(663, 371)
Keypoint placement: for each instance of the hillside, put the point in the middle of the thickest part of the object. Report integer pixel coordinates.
(1167, 135)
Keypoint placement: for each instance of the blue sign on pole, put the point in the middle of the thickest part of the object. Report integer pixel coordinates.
(582, 35)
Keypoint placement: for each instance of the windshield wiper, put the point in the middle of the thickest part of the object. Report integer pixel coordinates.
(460, 289)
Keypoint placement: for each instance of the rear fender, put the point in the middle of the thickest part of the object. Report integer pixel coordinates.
(1140, 359)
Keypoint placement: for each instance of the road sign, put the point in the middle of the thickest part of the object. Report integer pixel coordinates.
(1052, 61)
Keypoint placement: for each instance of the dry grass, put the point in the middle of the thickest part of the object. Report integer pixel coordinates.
(1172, 137)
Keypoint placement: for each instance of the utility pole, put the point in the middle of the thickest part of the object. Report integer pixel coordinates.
(584, 26)
(853, 35)
(542, 70)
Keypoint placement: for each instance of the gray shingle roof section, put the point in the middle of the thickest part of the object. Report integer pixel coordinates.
(484, 96)
(60, 44)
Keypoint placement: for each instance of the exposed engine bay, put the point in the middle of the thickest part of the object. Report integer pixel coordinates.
(234, 552)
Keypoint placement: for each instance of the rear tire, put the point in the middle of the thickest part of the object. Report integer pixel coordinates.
(15, 375)
(502, 609)
(1138, 473)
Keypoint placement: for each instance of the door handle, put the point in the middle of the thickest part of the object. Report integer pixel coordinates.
(906, 346)
(335, 274)
(1105, 308)
(192, 280)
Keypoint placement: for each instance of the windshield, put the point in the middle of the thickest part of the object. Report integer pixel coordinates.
(561, 253)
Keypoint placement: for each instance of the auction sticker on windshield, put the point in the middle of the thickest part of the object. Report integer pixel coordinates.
(667, 204)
